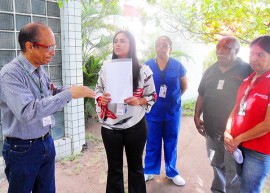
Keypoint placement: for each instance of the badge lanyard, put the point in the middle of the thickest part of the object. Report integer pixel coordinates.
(46, 121)
(243, 103)
(162, 75)
(32, 78)
(163, 87)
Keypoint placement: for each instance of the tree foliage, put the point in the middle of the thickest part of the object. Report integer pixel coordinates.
(207, 20)
(98, 27)
(60, 2)
(97, 33)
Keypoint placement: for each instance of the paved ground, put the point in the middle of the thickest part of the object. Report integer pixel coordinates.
(86, 173)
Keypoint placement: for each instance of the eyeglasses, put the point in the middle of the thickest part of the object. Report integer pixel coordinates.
(49, 48)
(163, 46)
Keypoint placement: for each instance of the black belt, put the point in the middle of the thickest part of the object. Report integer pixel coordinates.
(18, 139)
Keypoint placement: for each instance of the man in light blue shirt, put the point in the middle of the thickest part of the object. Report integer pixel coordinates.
(28, 100)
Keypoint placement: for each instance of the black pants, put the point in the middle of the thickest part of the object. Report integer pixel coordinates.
(133, 140)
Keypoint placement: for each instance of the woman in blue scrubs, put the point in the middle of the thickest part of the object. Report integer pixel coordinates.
(164, 117)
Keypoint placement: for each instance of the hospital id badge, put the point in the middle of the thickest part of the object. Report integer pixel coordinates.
(47, 121)
(163, 91)
(121, 109)
(220, 84)
(242, 109)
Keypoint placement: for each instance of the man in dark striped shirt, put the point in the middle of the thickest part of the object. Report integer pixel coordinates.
(28, 100)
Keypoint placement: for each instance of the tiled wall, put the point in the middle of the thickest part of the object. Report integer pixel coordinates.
(71, 47)
(72, 72)
(2, 167)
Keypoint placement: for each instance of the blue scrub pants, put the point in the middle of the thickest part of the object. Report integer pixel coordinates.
(169, 132)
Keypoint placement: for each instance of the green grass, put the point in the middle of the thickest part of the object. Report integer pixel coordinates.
(188, 107)
(71, 158)
(90, 136)
(265, 190)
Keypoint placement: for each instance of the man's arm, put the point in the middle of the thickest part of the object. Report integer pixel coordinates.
(81, 92)
(197, 114)
(27, 107)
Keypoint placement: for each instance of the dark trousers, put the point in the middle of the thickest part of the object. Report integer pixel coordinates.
(30, 165)
(133, 140)
(225, 178)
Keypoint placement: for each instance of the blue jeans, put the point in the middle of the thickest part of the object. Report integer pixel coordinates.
(253, 171)
(30, 165)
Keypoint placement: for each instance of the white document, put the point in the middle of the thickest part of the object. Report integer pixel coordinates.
(119, 82)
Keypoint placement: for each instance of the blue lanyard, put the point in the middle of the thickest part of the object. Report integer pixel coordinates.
(162, 73)
(32, 78)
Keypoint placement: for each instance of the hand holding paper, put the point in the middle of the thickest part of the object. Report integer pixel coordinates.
(133, 101)
(105, 99)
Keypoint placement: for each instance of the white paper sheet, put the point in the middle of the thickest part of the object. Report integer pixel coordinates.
(119, 82)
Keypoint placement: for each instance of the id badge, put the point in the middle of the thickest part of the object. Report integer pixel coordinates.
(163, 91)
(47, 121)
(121, 109)
(242, 109)
(220, 84)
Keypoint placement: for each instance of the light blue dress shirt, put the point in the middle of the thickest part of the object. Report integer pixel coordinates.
(28, 99)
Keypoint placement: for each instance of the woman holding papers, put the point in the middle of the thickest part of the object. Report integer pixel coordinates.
(248, 127)
(123, 124)
(164, 118)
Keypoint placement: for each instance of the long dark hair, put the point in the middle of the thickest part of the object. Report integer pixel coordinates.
(133, 55)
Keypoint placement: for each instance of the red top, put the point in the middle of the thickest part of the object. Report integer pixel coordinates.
(257, 99)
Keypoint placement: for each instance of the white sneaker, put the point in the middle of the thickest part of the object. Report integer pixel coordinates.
(178, 180)
(148, 177)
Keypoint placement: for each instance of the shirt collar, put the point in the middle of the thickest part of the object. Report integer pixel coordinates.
(28, 66)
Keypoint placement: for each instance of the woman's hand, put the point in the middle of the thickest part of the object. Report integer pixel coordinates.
(237, 141)
(132, 101)
(105, 99)
(229, 142)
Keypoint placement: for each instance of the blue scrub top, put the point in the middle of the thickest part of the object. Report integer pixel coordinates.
(167, 108)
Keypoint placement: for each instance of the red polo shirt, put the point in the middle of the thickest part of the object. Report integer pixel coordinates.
(258, 100)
